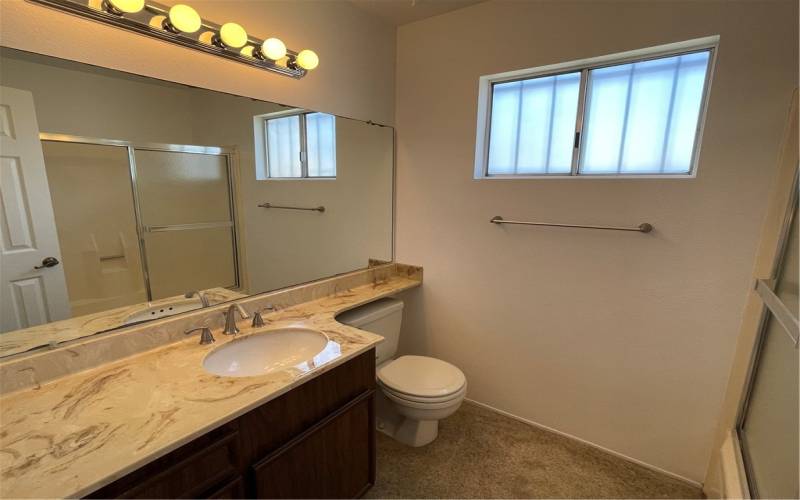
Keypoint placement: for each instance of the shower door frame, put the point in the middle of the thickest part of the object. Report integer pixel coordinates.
(229, 153)
(767, 312)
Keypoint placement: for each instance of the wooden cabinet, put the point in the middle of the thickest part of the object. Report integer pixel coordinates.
(333, 459)
(316, 441)
(232, 489)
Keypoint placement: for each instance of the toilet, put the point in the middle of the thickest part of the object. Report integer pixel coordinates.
(415, 391)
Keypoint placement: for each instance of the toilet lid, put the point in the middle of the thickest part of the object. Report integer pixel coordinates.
(421, 376)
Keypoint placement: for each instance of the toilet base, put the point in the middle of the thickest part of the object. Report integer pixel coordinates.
(409, 431)
(417, 432)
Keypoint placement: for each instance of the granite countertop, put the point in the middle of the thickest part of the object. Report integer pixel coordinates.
(57, 332)
(78, 433)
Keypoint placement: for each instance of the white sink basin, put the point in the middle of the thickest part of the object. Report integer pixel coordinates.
(267, 352)
(162, 310)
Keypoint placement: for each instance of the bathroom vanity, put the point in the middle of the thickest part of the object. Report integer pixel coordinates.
(316, 441)
(96, 419)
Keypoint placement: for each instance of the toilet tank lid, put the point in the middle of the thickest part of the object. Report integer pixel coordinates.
(370, 312)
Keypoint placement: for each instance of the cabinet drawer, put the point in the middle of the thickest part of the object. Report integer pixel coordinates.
(333, 459)
(234, 489)
(189, 472)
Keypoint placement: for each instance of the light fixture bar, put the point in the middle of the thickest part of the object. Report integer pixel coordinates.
(150, 19)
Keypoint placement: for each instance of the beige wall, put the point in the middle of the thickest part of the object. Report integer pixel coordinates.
(349, 81)
(283, 248)
(624, 340)
(71, 100)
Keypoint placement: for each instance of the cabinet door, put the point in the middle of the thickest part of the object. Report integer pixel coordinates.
(333, 459)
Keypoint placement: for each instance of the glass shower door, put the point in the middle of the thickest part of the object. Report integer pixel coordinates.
(768, 428)
(186, 213)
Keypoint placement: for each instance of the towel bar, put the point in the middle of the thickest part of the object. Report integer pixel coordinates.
(641, 228)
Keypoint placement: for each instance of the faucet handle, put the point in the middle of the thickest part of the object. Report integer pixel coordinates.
(258, 319)
(206, 337)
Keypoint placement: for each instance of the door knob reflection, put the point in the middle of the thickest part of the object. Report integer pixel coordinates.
(48, 262)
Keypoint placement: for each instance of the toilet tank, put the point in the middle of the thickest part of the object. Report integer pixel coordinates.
(382, 317)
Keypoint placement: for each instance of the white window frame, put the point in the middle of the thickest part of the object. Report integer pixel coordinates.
(260, 142)
(486, 83)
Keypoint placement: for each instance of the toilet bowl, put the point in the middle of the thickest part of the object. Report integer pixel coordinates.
(422, 391)
(415, 391)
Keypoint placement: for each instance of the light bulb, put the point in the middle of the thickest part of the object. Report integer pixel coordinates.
(128, 6)
(207, 37)
(307, 59)
(247, 51)
(157, 21)
(273, 49)
(184, 18)
(233, 35)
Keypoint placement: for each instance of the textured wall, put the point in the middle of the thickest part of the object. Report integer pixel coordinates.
(621, 339)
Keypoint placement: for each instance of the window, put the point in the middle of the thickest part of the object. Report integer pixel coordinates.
(300, 145)
(637, 113)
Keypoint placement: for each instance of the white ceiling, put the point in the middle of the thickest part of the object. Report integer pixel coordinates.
(398, 12)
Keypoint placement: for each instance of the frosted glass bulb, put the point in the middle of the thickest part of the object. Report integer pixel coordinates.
(157, 21)
(233, 35)
(207, 37)
(247, 51)
(129, 6)
(307, 59)
(184, 18)
(273, 48)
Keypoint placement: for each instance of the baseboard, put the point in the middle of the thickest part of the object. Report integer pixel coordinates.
(589, 443)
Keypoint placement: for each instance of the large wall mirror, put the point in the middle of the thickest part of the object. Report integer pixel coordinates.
(124, 196)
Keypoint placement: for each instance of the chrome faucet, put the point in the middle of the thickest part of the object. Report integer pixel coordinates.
(230, 318)
(200, 295)
(205, 335)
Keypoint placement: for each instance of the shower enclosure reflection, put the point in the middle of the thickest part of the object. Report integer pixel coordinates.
(105, 194)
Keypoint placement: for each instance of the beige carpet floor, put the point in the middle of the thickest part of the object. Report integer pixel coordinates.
(481, 454)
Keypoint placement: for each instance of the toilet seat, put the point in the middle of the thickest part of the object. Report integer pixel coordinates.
(422, 401)
(422, 379)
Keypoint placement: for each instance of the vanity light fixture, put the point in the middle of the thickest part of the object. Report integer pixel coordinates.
(183, 25)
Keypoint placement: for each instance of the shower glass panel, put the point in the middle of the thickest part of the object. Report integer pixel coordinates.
(90, 187)
(769, 427)
(187, 221)
(174, 271)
